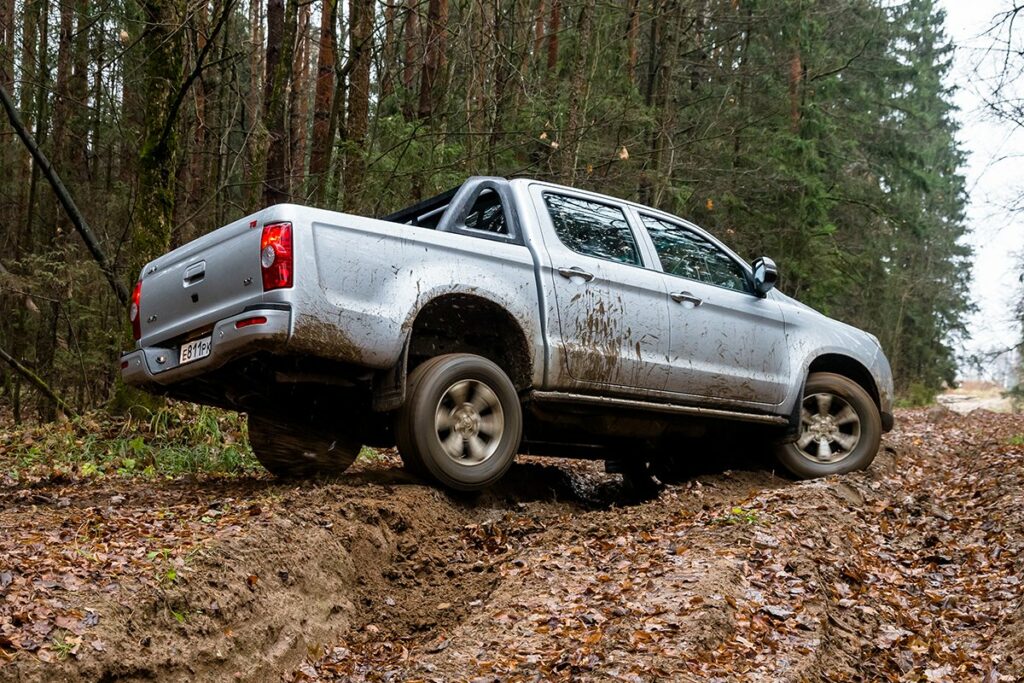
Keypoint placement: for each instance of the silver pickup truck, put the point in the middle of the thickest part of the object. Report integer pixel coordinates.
(501, 317)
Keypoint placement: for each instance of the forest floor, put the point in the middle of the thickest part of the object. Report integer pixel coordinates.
(909, 571)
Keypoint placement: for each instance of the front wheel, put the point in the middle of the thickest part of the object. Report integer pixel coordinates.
(840, 429)
(461, 421)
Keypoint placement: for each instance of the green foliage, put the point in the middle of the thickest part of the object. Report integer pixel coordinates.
(176, 439)
(916, 395)
(739, 515)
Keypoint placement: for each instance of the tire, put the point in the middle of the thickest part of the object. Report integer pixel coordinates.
(290, 451)
(840, 429)
(461, 422)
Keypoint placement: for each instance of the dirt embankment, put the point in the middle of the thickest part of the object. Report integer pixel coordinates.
(909, 571)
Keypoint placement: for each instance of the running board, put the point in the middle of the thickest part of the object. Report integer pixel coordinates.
(563, 397)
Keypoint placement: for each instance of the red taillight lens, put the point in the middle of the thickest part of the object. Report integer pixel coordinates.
(276, 256)
(258, 320)
(135, 312)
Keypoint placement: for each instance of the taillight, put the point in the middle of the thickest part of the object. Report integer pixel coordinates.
(135, 313)
(276, 256)
(258, 320)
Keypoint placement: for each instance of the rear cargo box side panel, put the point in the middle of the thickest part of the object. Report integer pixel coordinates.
(359, 288)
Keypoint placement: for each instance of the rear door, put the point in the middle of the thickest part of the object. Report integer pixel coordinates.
(611, 308)
(728, 344)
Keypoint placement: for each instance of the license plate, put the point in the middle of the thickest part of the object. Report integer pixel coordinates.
(194, 350)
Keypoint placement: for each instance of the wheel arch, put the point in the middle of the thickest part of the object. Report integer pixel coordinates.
(848, 367)
(469, 323)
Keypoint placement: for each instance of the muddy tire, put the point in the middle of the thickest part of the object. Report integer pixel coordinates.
(840, 429)
(295, 451)
(461, 421)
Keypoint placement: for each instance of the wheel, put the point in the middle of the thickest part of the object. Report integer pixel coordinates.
(840, 429)
(461, 421)
(289, 450)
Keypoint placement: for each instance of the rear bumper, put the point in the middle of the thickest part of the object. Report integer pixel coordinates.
(158, 365)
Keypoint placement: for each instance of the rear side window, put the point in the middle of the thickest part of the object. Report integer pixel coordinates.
(685, 253)
(487, 214)
(592, 229)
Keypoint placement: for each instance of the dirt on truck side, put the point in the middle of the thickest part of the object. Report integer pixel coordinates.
(911, 570)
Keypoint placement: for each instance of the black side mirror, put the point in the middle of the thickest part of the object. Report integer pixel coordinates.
(766, 274)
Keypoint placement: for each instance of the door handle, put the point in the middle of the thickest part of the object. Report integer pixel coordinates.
(576, 271)
(194, 273)
(686, 298)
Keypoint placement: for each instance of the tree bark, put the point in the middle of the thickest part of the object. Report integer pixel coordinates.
(795, 77)
(161, 44)
(577, 90)
(554, 27)
(434, 56)
(360, 41)
(280, 45)
(388, 58)
(411, 40)
(632, 32)
(323, 135)
(298, 107)
(255, 156)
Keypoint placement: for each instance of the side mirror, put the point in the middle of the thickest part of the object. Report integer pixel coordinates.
(765, 275)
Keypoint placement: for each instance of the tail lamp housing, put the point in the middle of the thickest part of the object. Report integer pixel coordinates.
(276, 256)
(135, 312)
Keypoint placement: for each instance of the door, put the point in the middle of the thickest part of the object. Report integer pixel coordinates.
(727, 343)
(612, 311)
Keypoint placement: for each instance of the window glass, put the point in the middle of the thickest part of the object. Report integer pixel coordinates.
(487, 214)
(687, 254)
(593, 229)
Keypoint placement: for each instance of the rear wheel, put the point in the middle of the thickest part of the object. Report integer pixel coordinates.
(289, 450)
(461, 421)
(840, 429)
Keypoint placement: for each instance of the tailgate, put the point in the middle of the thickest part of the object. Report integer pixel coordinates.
(206, 280)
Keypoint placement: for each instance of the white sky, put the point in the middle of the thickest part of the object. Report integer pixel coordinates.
(994, 176)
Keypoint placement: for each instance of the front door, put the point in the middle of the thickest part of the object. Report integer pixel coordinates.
(728, 344)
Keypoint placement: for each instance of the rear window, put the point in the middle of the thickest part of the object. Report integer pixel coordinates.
(487, 214)
(592, 228)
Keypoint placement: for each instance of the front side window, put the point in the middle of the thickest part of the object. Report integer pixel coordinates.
(685, 253)
(592, 229)
(487, 214)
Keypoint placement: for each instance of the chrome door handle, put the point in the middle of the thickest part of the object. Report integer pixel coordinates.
(686, 298)
(576, 271)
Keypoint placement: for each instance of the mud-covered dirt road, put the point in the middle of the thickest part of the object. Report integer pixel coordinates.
(913, 570)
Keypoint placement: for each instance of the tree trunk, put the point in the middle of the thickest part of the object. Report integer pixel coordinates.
(388, 58)
(577, 94)
(7, 44)
(196, 179)
(161, 44)
(795, 77)
(434, 56)
(632, 32)
(280, 45)
(361, 50)
(255, 157)
(538, 28)
(298, 107)
(323, 135)
(411, 40)
(554, 27)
